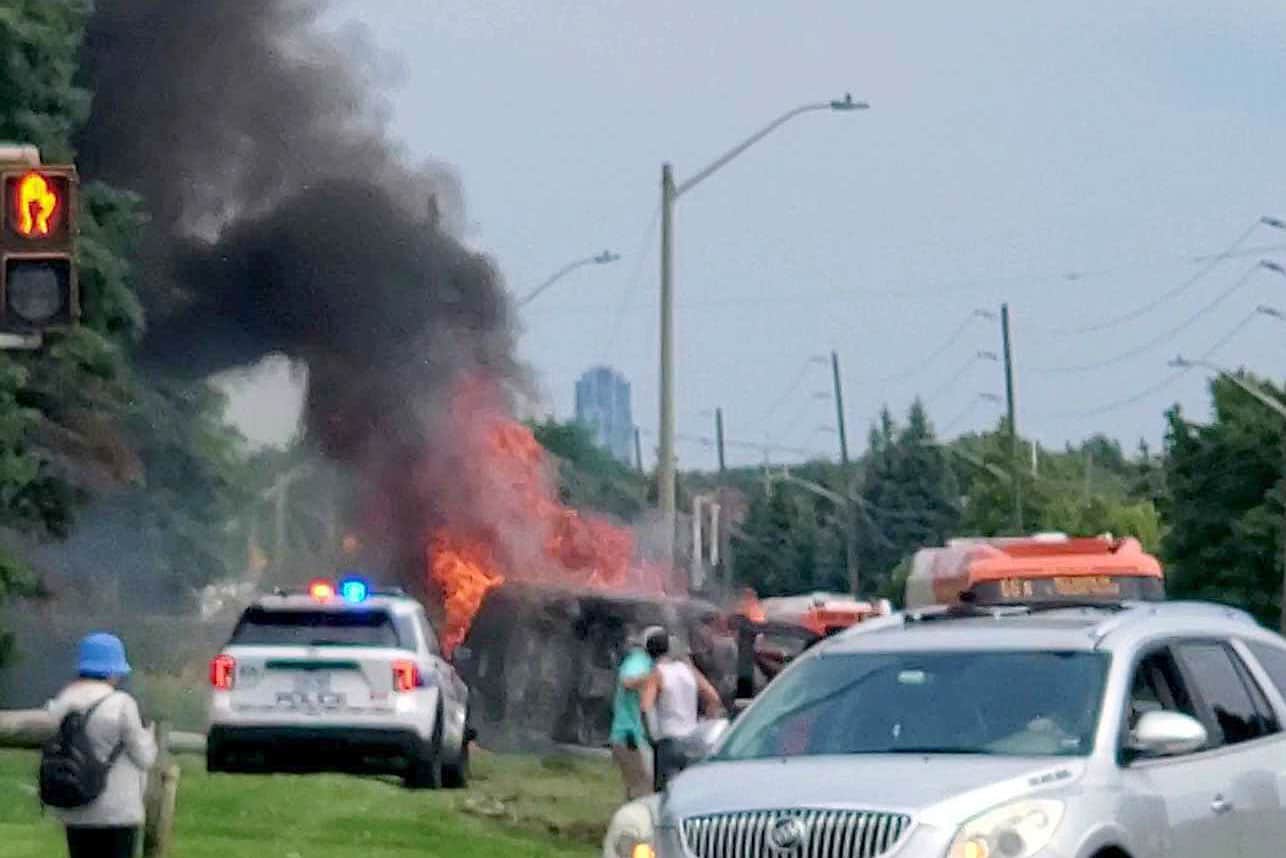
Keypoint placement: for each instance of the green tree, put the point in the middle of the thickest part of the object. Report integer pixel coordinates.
(589, 477)
(1223, 504)
(910, 496)
(78, 425)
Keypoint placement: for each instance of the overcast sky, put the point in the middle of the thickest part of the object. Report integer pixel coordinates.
(1071, 159)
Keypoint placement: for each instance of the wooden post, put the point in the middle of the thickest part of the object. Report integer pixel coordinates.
(161, 799)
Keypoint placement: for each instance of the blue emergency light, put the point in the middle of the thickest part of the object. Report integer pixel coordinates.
(354, 590)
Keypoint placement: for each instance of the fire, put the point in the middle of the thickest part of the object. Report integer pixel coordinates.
(749, 606)
(522, 532)
(37, 204)
(465, 573)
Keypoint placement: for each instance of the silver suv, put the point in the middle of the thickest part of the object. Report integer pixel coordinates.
(1117, 731)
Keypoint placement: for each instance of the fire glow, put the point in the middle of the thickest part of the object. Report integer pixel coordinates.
(526, 533)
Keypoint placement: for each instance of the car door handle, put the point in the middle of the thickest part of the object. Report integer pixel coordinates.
(1220, 805)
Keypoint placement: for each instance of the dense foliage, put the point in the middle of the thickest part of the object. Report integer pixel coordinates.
(148, 466)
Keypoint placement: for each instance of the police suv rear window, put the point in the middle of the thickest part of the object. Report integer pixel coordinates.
(264, 627)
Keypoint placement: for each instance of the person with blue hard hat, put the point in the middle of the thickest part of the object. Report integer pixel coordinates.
(94, 771)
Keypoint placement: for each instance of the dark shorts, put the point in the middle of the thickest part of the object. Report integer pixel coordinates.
(92, 842)
(669, 758)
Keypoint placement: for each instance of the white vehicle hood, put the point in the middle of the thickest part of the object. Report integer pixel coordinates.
(940, 787)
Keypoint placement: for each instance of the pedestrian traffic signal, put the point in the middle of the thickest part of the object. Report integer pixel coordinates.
(38, 244)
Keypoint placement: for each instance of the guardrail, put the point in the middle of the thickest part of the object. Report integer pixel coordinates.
(30, 728)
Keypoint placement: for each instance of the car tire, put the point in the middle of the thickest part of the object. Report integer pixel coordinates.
(424, 769)
(214, 759)
(456, 775)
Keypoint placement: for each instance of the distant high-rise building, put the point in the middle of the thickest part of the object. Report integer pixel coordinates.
(603, 407)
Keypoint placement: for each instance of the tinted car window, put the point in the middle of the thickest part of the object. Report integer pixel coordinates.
(1273, 660)
(262, 627)
(1221, 683)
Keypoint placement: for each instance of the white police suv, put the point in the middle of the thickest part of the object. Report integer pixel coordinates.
(341, 677)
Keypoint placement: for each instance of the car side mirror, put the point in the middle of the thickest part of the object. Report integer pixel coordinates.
(701, 743)
(1167, 734)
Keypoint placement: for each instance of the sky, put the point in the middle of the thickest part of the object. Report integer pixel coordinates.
(1072, 160)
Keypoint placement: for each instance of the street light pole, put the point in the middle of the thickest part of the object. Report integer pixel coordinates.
(670, 193)
(598, 259)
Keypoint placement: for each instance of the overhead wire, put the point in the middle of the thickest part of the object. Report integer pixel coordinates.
(1211, 263)
(631, 285)
(950, 340)
(1164, 336)
(1163, 383)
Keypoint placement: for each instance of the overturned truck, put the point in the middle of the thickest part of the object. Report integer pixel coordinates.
(541, 662)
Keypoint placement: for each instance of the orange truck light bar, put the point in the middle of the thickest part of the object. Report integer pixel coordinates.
(1042, 568)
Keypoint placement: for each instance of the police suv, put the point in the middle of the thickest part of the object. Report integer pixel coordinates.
(338, 678)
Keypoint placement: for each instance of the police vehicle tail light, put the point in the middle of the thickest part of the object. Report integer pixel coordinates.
(322, 591)
(223, 670)
(406, 676)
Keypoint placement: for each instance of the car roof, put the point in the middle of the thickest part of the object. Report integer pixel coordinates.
(304, 602)
(1106, 627)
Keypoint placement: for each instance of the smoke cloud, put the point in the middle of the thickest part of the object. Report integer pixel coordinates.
(285, 221)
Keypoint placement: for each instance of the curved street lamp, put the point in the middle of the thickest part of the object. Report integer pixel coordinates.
(670, 192)
(598, 259)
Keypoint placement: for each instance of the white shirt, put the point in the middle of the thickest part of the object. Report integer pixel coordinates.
(676, 704)
(115, 722)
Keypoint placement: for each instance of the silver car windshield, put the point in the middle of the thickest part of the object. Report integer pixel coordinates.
(1005, 703)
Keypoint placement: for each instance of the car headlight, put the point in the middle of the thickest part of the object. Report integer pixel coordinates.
(630, 846)
(1017, 830)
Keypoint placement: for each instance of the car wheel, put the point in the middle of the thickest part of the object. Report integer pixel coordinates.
(424, 769)
(214, 759)
(456, 775)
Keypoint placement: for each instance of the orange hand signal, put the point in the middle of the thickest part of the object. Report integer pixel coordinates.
(37, 204)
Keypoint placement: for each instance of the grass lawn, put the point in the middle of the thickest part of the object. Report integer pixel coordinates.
(516, 807)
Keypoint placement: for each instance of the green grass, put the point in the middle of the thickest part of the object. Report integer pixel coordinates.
(517, 807)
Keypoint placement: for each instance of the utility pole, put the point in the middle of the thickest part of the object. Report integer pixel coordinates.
(1281, 537)
(850, 512)
(839, 411)
(1014, 455)
(718, 437)
(665, 488)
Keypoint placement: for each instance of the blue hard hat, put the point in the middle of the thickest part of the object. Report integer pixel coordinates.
(102, 656)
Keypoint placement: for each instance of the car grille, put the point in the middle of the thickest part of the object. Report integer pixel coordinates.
(794, 834)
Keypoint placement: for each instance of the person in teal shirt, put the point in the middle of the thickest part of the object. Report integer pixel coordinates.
(628, 737)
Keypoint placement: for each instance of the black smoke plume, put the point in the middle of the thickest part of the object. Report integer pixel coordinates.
(283, 220)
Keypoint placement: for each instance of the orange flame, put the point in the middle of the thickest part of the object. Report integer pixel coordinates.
(526, 533)
(37, 204)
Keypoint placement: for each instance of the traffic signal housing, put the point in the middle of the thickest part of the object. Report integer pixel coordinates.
(38, 288)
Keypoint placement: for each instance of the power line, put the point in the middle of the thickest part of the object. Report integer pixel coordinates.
(1163, 383)
(951, 339)
(1164, 336)
(631, 285)
(791, 388)
(1212, 262)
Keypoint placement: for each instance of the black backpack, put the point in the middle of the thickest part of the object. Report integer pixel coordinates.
(71, 774)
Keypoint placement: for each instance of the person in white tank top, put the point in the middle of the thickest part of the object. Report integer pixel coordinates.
(672, 702)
